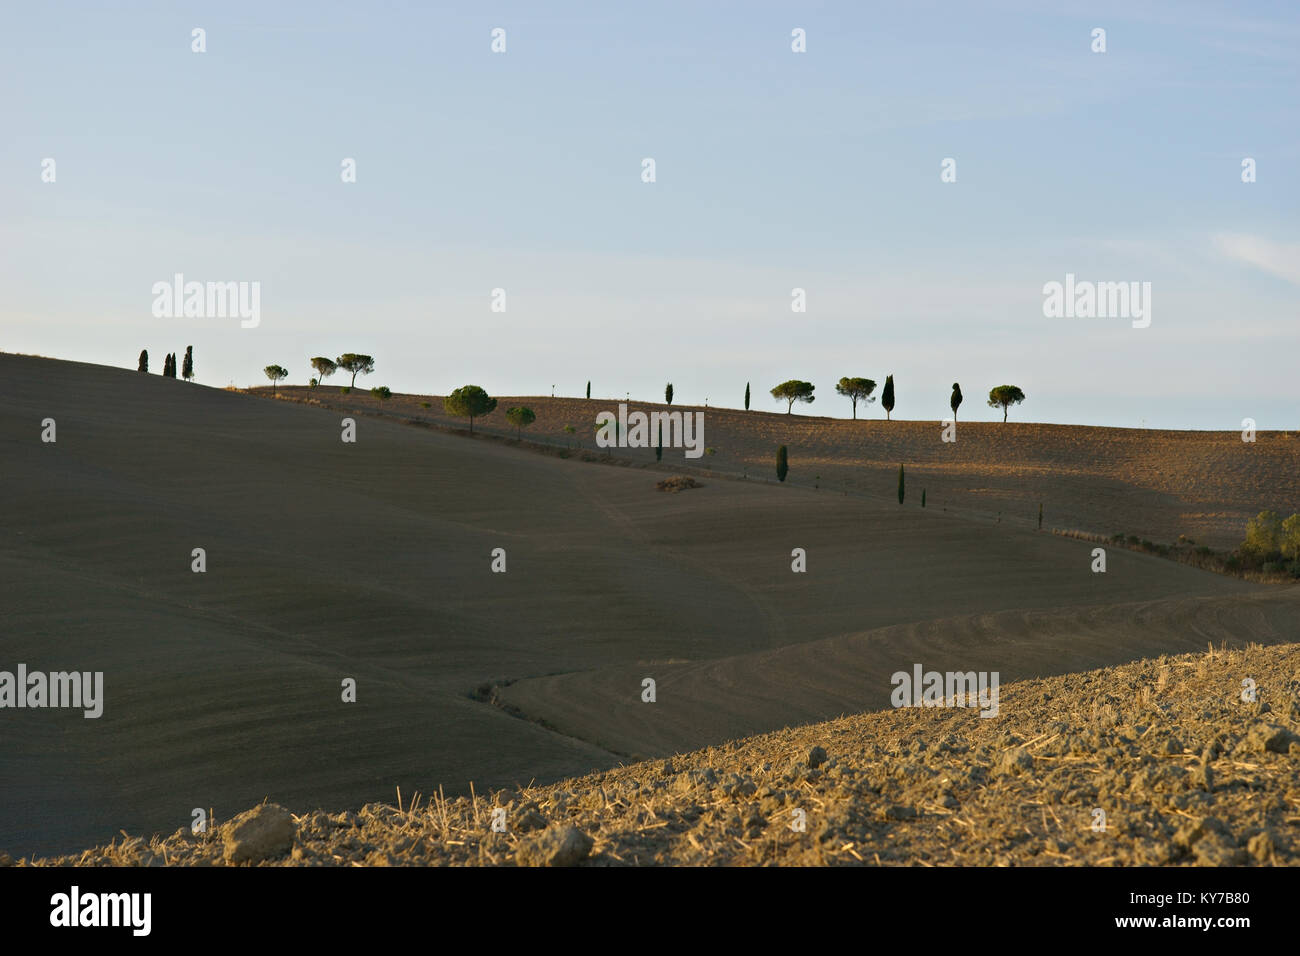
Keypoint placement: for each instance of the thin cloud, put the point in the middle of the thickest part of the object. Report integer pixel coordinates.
(1280, 259)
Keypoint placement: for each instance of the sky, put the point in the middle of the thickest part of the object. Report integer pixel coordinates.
(774, 170)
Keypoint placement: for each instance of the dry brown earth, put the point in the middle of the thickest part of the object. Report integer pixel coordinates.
(1156, 484)
(372, 561)
(1154, 763)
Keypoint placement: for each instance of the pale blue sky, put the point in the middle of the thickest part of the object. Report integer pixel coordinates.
(774, 170)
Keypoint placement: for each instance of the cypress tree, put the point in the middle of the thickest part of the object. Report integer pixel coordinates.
(144, 361)
(746, 396)
(900, 484)
(782, 463)
(668, 394)
(659, 449)
(1040, 516)
(589, 389)
(922, 497)
(887, 396)
(187, 370)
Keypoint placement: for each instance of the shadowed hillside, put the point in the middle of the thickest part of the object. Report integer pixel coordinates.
(371, 561)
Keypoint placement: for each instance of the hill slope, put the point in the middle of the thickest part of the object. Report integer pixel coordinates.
(1154, 763)
(372, 561)
(1155, 484)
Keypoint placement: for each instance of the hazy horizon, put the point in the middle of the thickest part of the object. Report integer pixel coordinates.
(775, 170)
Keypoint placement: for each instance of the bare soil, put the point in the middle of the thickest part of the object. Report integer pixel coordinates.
(1159, 762)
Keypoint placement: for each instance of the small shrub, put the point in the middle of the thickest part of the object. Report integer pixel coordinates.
(345, 389)
(1271, 567)
(383, 393)
(677, 483)
(424, 404)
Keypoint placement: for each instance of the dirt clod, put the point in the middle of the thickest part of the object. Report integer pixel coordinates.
(558, 846)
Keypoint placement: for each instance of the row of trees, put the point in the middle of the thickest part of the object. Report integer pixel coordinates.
(469, 401)
(473, 401)
(278, 373)
(169, 363)
(1269, 537)
(352, 362)
(860, 390)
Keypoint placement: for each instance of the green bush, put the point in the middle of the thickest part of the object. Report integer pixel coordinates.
(1271, 567)
(521, 417)
(1263, 534)
(1289, 542)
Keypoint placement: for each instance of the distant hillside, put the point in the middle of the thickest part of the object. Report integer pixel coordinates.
(1153, 484)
